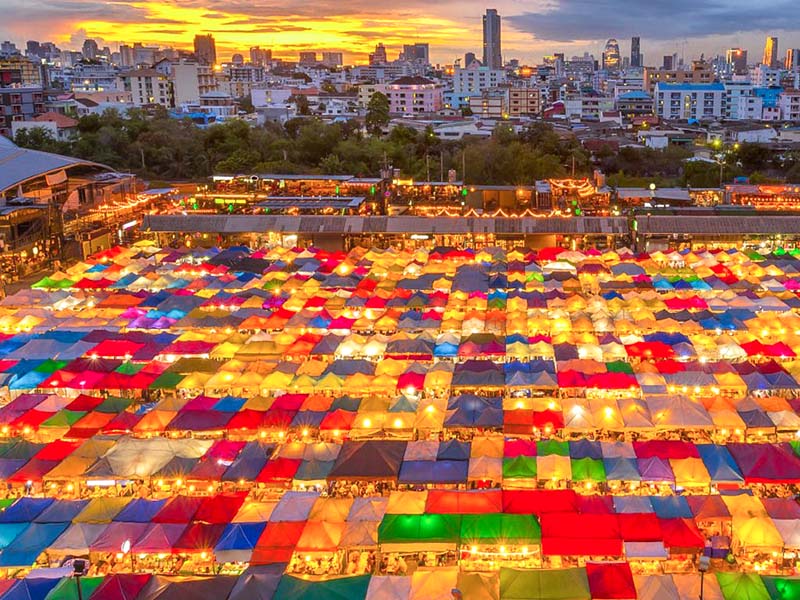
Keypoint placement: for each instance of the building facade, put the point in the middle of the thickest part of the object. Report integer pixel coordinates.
(19, 104)
(147, 87)
(684, 101)
(414, 95)
(492, 48)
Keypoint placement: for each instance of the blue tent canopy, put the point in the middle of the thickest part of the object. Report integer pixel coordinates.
(25, 510)
(434, 471)
(671, 507)
(61, 511)
(719, 463)
(621, 469)
(29, 544)
(140, 510)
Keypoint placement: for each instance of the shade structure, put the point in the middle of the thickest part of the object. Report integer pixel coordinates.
(257, 583)
(500, 529)
(343, 588)
(742, 585)
(561, 584)
(265, 398)
(610, 580)
(423, 531)
(389, 588)
(187, 587)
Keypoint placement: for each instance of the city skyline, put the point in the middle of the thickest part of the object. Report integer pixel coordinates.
(354, 26)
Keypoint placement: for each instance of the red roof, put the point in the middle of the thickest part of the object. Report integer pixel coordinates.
(61, 121)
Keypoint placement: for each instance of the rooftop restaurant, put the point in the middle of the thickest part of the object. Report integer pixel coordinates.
(296, 422)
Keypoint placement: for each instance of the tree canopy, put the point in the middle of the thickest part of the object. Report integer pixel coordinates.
(158, 146)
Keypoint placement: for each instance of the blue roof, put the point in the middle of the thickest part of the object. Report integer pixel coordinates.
(690, 87)
(634, 95)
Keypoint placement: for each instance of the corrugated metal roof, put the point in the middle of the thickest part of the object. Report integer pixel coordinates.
(383, 224)
(19, 164)
(720, 225)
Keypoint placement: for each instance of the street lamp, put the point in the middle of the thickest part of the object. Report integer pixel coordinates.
(702, 565)
(79, 570)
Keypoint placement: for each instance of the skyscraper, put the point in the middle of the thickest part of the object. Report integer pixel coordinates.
(611, 57)
(636, 52)
(205, 49)
(792, 58)
(469, 58)
(737, 61)
(771, 53)
(492, 53)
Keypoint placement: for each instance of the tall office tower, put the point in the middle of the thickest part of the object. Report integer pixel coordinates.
(737, 61)
(792, 59)
(668, 64)
(771, 53)
(205, 49)
(611, 57)
(492, 52)
(636, 52)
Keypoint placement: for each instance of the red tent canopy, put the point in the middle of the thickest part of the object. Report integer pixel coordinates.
(277, 542)
(463, 502)
(682, 534)
(640, 527)
(573, 534)
(180, 509)
(610, 581)
(539, 502)
(650, 350)
(199, 537)
(220, 508)
(122, 586)
(279, 470)
(665, 449)
(115, 349)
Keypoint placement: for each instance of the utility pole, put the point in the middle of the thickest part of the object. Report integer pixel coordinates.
(441, 166)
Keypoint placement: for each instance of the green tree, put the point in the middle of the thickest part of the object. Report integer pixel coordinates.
(301, 102)
(39, 138)
(377, 113)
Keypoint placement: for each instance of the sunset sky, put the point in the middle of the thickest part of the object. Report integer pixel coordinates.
(531, 28)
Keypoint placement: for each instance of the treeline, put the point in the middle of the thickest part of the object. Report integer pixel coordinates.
(159, 147)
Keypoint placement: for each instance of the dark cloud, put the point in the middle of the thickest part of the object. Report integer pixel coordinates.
(571, 20)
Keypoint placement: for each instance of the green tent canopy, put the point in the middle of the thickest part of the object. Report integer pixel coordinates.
(114, 405)
(343, 588)
(782, 588)
(588, 469)
(500, 528)
(67, 588)
(167, 381)
(51, 366)
(555, 584)
(546, 447)
(519, 467)
(619, 366)
(742, 586)
(401, 529)
(64, 418)
(128, 368)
